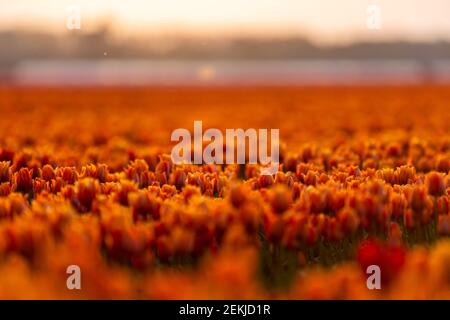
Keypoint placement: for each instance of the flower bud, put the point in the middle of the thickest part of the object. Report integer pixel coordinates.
(435, 184)
(349, 220)
(5, 171)
(280, 199)
(238, 195)
(23, 181)
(48, 173)
(418, 198)
(443, 227)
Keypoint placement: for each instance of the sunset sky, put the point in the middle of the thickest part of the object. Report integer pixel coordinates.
(322, 21)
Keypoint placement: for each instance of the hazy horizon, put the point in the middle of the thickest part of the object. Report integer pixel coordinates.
(217, 42)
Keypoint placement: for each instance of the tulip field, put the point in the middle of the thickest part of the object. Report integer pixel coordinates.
(86, 179)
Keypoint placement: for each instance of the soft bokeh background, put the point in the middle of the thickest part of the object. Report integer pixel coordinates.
(196, 42)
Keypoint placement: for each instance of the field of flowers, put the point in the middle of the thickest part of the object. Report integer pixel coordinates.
(86, 178)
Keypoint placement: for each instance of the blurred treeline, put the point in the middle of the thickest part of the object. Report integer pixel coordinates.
(25, 45)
